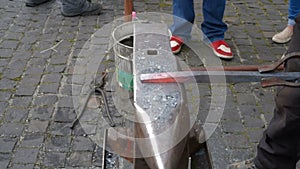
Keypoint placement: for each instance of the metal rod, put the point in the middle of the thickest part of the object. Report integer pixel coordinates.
(108, 113)
(103, 149)
(215, 76)
(233, 68)
(128, 7)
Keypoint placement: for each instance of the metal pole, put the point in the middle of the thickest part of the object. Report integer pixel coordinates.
(128, 7)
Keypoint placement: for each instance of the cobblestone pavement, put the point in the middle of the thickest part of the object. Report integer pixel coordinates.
(36, 85)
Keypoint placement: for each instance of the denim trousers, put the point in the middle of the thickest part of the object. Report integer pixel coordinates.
(212, 26)
(294, 10)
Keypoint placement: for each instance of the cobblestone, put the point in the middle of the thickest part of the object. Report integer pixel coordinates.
(31, 140)
(7, 144)
(54, 159)
(58, 143)
(23, 166)
(11, 129)
(4, 160)
(26, 155)
(36, 88)
(16, 115)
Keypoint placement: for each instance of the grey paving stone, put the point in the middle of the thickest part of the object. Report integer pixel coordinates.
(242, 87)
(58, 143)
(23, 166)
(81, 143)
(4, 159)
(11, 129)
(32, 140)
(66, 102)
(246, 99)
(52, 78)
(26, 31)
(47, 88)
(41, 113)
(233, 127)
(16, 115)
(64, 114)
(17, 28)
(58, 60)
(7, 144)
(80, 159)
(37, 126)
(218, 150)
(56, 68)
(248, 110)
(26, 155)
(90, 116)
(37, 70)
(25, 90)
(54, 159)
(255, 135)
(17, 64)
(253, 122)
(5, 53)
(45, 100)
(9, 44)
(60, 129)
(231, 114)
(97, 156)
(3, 106)
(79, 131)
(13, 74)
(21, 102)
(268, 116)
(22, 54)
(38, 61)
(67, 90)
(236, 141)
(3, 61)
(238, 155)
(30, 79)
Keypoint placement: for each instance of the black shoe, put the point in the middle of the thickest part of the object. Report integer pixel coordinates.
(247, 164)
(33, 3)
(92, 9)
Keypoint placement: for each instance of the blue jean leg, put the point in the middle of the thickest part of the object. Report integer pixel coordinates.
(213, 26)
(294, 10)
(184, 15)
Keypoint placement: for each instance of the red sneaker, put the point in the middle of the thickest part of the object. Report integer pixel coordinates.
(222, 49)
(176, 44)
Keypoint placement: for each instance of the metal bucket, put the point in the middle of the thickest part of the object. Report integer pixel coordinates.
(123, 49)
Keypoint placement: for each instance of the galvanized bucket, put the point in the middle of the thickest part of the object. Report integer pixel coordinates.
(123, 49)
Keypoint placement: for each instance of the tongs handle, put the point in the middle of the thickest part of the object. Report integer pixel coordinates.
(270, 68)
(269, 82)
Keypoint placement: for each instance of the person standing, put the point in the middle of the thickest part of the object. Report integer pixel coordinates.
(213, 26)
(279, 148)
(285, 35)
(70, 8)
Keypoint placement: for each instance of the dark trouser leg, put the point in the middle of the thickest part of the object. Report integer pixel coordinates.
(280, 145)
